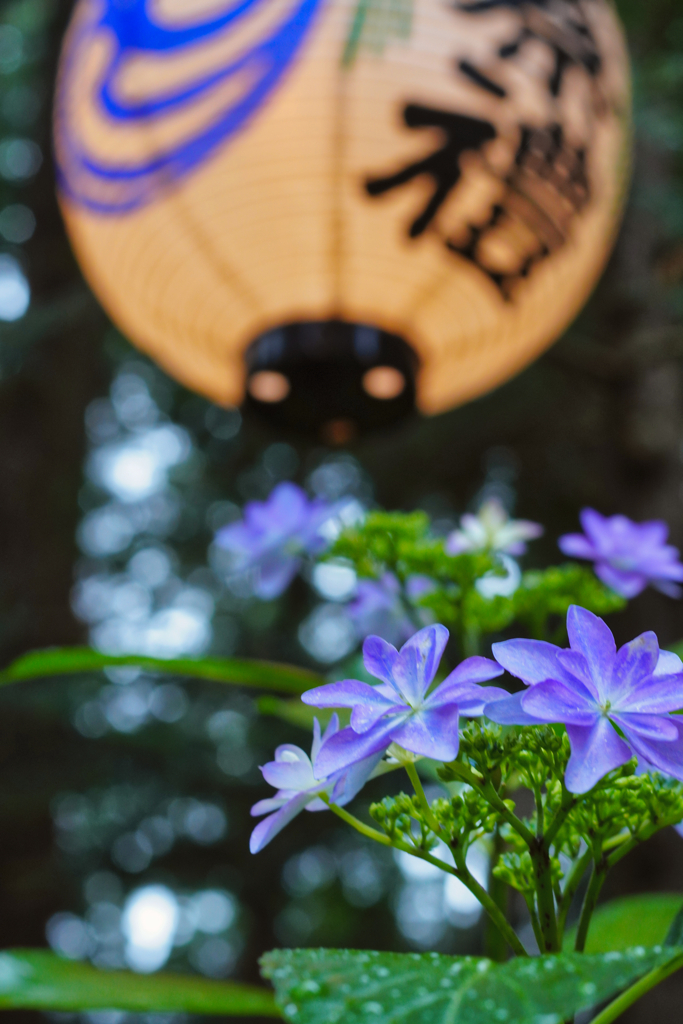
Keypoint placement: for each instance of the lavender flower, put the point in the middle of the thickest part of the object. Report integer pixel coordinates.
(595, 689)
(402, 709)
(377, 607)
(298, 786)
(492, 530)
(273, 536)
(628, 556)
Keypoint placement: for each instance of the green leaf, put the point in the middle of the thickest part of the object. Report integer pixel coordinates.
(262, 675)
(631, 921)
(37, 980)
(674, 936)
(338, 986)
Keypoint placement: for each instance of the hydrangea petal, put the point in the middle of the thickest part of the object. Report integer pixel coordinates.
(350, 782)
(418, 661)
(473, 670)
(667, 587)
(575, 545)
(347, 747)
(290, 503)
(476, 704)
(596, 750)
(318, 740)
(380, 659)
(652, 727)
(654, 532)
(593, 638)
(509, 711)
(346, 693)
(460, 693)
(532, 661)
(665, 756)
(668, 664)
(275, 573)
(271, 803)
(553, 702)
(595, 526)
(635, 662)
(432, 732)
(655, 696)
(577, 674)
(289, 774)
(269, 827)
(626, 584)
(364, 716)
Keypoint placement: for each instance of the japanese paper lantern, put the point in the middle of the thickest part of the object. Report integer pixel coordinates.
(353, 203)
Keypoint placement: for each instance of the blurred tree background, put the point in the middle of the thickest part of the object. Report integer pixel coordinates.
(126, 789)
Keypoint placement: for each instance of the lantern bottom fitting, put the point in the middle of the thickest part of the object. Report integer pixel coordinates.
(330, 378)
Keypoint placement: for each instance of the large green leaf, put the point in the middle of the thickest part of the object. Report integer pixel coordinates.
(332, 986)
(37, 980)
(263, 675)
(630, 921)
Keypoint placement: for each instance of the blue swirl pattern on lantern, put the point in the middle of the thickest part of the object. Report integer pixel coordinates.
(109, 187)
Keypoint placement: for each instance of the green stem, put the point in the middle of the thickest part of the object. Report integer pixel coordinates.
(540, 816)
(568, 803)
(589, 902)
(470, 642)
(422, 797)
(460, 872)
(489, 906)
(365, 830)
(492, 797)
(545, 898)
(629, 997)
(573, 882)
(529, 900)
(494, 945)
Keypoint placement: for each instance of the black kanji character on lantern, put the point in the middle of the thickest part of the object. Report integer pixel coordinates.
(461, 133)
(544, 190)
(559, 24)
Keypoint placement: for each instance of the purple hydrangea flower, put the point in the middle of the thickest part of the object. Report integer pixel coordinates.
(492, 530)
(595, 689)
(274, 535)
(403, 709)
(628, 556)
(377, 607)
(298, 786)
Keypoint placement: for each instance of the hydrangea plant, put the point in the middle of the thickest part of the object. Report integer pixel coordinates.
(551, 745)
(593, 735)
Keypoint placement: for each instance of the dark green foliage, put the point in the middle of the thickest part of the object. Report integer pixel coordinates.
(643, 920)
(328, 986)
(37, 980)
(401, 543)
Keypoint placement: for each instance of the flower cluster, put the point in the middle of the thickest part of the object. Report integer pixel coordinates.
(274, 535)
(628, 556)
(492, 529)
(300, 785)
(614, 703)
(402, 712)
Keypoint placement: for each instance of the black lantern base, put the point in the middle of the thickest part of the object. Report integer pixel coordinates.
(331, 378)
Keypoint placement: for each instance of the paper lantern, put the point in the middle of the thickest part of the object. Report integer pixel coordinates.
(284, 189)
